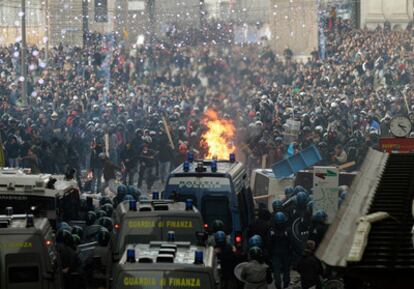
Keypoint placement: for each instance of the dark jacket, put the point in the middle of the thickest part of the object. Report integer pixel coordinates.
(317, 232)
(309, 268)
(228, 260)
(109, 169)
(12, 149)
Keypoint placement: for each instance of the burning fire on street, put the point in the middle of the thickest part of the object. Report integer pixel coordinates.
(218, 139)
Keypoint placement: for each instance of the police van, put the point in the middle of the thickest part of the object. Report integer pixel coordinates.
(50, 196)
(151, 220)
(172, 265)
(27, 254)
(220, 191)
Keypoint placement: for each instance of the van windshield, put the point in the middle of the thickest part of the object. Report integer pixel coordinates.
(164, 280)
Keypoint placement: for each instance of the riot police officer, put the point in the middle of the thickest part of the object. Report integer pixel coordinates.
(281, 250)
(319, 227)
(227, 258)
(69, 260)
(260, 226)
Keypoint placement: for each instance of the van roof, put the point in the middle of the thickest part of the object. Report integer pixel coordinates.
(223, 167)
(157, 207)
(18, 182)
(17, 224)
(167, 254)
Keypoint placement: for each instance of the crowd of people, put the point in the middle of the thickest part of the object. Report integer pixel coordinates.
(105, 108)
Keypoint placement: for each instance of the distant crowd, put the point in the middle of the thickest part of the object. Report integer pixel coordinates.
(105, 108)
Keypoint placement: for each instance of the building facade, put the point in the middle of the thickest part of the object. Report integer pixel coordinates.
(375, 12)
(294, 25)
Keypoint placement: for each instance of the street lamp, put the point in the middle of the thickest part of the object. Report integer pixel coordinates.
(23, 48)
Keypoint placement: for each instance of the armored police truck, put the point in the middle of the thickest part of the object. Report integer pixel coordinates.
(27, 253)
(50, 196)
(172, 265)
(220, 191)
(151, 220)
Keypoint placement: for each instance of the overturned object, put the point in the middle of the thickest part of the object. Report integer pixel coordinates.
(361, 236)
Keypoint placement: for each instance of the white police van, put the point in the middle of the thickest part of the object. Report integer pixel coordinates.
(167, 265)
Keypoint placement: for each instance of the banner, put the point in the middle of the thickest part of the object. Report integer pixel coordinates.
(325, 190)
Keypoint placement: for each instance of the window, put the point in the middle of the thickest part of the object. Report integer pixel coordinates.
(243, 209)
(184, 197)
(217, 208)
(26, 274)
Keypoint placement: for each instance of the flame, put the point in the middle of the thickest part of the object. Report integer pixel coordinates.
(218, 139)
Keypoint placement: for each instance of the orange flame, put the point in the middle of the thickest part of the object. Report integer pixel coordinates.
(218, 139)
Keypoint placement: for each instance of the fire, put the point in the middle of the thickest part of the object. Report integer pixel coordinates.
(218, 139)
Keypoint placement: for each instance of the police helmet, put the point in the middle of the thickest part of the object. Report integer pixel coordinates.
(255, 253)
(103, 237)
(129, 198)
(277, 205)
(76, 240)
(64, 226)
(122, 189)
(320, 216)
(90, 218)
(299, 189)
(108, 208)
(289, 191)
(217, 225)
(106, 223)
(132, 190)
(255, 241)
(100, 213)
(143, 198)
(105, 200)
(280, 218)
(62, 236)
(77, 230)
(220, 237)
(301, 199)
(309, 207)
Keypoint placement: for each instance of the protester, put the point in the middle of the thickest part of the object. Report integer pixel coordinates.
(256, 274)
(310, 268)
(342, 102)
